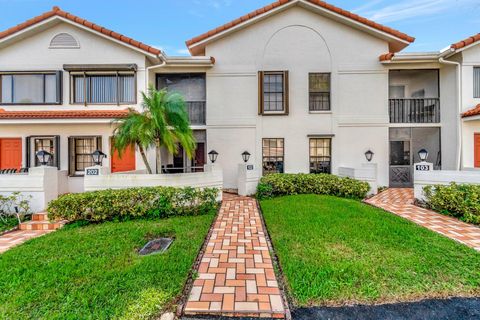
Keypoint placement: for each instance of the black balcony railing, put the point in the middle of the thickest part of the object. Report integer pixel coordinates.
(196, 112)
(415, 110)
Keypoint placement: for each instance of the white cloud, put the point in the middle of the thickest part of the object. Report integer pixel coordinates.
(183, 52)
(407, 9)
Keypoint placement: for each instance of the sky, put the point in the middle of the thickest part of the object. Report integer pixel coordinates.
(166, 24)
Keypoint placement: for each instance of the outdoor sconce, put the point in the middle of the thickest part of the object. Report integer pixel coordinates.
(213, 155)
(245, 156)
(98, 157)
(423, 154)
(43, 157)
(369, 155)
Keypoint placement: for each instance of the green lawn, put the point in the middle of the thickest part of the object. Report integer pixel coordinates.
(94, 272)
(335, 251)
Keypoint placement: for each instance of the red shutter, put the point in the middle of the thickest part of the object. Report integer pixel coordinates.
(477, 150)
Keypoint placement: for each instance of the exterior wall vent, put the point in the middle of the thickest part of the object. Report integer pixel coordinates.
(64, 41)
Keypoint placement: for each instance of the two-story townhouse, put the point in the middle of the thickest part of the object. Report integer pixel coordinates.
(303, 86)
(64, 80)
(299, 85)
(458, 68)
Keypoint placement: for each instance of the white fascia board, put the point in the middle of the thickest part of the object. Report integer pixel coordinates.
(189, 61)
(471, 118)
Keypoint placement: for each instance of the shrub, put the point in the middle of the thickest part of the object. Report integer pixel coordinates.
(126, 204)
(280, 184)
(460, 201)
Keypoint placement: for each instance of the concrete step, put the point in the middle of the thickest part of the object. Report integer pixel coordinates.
(41, 216)
(42, 225)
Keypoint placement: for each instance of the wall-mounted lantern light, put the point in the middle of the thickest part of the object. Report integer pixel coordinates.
(43, 157)
(423, 154)
(213, 155)
(245, 156)
(369, 155)
(98, 157)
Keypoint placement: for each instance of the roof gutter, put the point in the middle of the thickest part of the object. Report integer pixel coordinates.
(147, 69)
(459, 102)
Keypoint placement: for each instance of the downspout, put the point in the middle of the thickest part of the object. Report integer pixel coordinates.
(459, 111)
(147, 69)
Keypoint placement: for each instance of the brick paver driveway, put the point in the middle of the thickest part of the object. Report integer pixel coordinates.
(236, 276)
(400, 202)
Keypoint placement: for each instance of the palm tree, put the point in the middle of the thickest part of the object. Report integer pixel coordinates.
(163, 122)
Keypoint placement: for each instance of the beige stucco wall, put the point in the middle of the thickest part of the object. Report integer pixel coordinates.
(299, 41)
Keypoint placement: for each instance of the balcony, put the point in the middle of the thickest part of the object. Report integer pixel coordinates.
(196, 112)
(192, 86)
(414, 96)
(414, 110)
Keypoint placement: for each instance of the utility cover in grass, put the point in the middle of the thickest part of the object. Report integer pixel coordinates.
(156, 246)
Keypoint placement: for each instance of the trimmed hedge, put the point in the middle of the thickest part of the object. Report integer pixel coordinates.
(126, 204)
(460, 201)
(281, 184)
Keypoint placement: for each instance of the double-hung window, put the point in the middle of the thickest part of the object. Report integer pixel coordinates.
(320, 155)
(273, 155)
(273, 92)
(476, 82)
(51, 144)
(319, 91)
(31, 87)
(103, 88)
(80, 153)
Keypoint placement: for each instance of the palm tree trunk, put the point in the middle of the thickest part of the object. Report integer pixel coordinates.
(158, 154)
(144, 158)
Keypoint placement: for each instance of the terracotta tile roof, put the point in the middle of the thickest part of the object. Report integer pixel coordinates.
(319, 3)
(386, 56)
(466, 42)
(56, 11)
(70, 114)
(472, 112)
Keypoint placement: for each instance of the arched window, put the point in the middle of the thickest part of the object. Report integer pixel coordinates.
(64, 41)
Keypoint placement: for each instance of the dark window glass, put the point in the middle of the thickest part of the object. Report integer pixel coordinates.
(400, 153)
(83, 149)
(319, 91)
(104, 88)
(273, 155)
(46, 144)
(192, 86)
(273, 92)
(320, 155)
(38, 88)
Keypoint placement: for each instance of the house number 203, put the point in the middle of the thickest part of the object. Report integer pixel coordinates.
(422, 167)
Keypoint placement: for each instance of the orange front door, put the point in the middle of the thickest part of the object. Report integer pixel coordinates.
(10, 153)
(476, 150)
(124, 163)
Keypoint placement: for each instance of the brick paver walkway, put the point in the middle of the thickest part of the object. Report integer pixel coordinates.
(236, 275)
(400, 202)
(15, 238)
